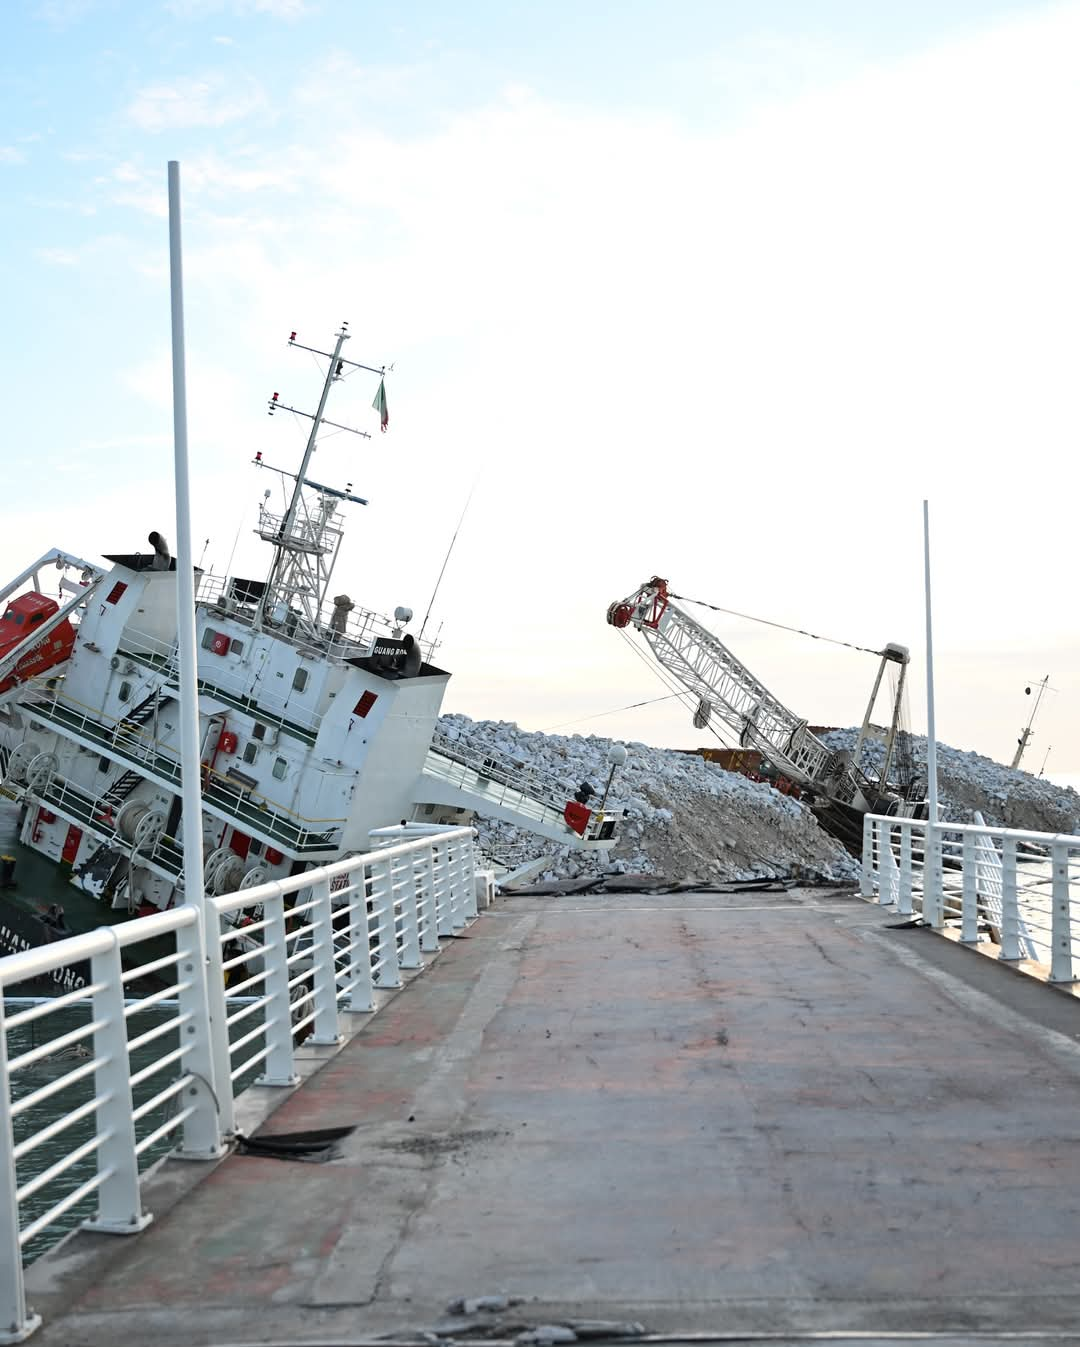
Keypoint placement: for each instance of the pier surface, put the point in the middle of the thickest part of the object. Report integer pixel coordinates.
(704, 1112)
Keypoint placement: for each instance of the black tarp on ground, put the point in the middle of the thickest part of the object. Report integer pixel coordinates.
(560, 888)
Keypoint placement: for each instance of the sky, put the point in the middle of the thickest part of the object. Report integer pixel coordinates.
(714, 290)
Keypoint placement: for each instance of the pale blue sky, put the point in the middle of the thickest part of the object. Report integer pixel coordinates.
(721, 288)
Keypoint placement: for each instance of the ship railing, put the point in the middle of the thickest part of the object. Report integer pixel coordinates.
(1012, 892)
(361, 628)
(126, 743)
(498, 769)
(101, 1083)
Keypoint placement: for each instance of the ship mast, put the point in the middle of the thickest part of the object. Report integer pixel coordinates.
(1025, 737)
(306, 538)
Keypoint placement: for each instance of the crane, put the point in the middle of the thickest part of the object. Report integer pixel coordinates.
(839, 791)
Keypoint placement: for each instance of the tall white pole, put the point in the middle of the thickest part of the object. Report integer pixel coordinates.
(190, 751)
(931, 727)
(190, 754)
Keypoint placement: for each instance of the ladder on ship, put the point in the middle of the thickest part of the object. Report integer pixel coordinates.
(146, 709)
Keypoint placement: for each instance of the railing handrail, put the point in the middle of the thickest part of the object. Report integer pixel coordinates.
(947, 825)
(365, 860)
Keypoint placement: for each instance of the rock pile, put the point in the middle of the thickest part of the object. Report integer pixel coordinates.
(689, 819)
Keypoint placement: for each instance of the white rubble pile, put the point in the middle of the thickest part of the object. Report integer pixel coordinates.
(967, 781)
(686, 819)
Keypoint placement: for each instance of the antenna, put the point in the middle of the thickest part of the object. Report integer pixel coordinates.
(442, 569)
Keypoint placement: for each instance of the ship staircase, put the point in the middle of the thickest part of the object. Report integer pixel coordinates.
(144, 712)
(500, 786)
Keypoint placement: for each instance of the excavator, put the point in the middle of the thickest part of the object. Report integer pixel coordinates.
(831, 782)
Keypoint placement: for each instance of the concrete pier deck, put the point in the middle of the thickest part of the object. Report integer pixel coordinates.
(709, 1113)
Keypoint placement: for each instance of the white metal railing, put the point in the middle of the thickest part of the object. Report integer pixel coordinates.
(99, 1083)
(1019, 889)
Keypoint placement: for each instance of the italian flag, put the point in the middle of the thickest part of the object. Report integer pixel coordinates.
(380, 405)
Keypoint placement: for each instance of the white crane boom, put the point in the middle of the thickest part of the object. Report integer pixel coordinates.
(727, 689)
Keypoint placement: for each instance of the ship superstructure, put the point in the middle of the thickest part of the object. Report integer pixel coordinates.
(317, 717)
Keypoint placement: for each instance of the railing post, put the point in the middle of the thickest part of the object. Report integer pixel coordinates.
(933, 894)
(17, 1321)
(1010, 905)
(866, 877)
(443, 897)
(888, 878)
(904, 906)
(429, 936)
(358, 996)
(279, 1065)
(453, 890)
(969, 908)
(382, 903)
(326, 1032)
(1061, 966)
(410, 916)
(201, 1137)
(119, 1206)
(468, 874)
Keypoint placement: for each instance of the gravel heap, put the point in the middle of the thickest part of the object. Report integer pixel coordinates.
(691, 820)
(686, 819)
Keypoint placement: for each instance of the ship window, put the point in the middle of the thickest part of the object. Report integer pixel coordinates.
(116, 592)
(125, 692)
(280, 767)
(209, 636)
(237, 647)
(299, 680)
(37, 617)
(251, 752)
(258, 730)
(256, 847)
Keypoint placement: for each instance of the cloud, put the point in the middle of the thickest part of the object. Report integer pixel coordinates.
(10, 155)
(212, 101)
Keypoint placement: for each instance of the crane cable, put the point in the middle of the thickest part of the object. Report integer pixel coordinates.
(688, 699)
(780, 626)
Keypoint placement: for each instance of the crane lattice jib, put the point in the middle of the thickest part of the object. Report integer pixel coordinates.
(707, 669)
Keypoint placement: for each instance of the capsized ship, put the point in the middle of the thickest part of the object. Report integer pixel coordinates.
(318, 717)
